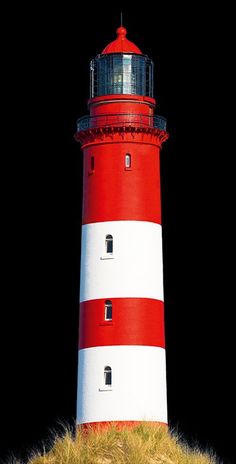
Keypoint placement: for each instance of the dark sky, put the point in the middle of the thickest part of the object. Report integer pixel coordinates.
(41, 214)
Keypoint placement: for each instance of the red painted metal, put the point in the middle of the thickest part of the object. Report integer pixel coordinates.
(135, 321)
(112, 192)
(121, 103)
(121, 44)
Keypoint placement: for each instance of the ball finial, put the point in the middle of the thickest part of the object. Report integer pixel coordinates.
(121, 32)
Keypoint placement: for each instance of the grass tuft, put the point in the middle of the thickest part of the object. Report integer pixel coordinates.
(143, 444)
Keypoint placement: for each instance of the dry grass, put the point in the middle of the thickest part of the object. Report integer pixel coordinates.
(144, 444)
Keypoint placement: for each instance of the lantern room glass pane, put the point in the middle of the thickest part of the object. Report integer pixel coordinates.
(119, 73)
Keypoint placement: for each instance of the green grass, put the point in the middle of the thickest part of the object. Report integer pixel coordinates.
(143, 444)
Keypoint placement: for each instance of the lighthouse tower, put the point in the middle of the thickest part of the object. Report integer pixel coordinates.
(121, 373)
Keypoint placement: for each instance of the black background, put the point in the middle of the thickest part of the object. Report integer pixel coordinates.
(41, 215)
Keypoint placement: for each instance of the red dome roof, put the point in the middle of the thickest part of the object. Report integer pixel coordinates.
(121, 44)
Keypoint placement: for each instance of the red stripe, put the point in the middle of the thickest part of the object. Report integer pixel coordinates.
(118, 103)
(135, 321)
(113, 193)
(118, 424)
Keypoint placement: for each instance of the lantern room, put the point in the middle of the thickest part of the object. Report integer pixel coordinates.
(121, 69)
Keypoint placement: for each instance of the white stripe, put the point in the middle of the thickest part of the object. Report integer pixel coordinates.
(135, 269)
(138, 389)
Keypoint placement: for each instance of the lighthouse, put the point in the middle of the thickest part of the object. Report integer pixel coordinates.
(121, 367)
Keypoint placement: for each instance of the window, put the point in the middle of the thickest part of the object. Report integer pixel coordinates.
(109, 244)
(108, 310)
(92, 165)
(128, 160)
(107, 376)
(107, 382)
(108, 248)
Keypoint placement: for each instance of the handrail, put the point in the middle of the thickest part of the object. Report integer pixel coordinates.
(121, 120)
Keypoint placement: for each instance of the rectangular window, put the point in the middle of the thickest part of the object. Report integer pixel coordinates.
(109, 244)
(107, 376)
(128, 160)
(108, 310)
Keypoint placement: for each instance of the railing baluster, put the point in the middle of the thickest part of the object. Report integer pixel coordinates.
(87, 122)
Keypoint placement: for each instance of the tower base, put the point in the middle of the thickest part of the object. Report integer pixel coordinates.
(119, 425)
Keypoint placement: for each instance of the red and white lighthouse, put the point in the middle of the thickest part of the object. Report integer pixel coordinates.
(122, 370)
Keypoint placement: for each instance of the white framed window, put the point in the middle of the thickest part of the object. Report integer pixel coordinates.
(108, 248)
(107, 376)
(108, 310)
(128, 160)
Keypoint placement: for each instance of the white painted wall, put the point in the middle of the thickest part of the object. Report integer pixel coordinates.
(138, 384)
(136, 269)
